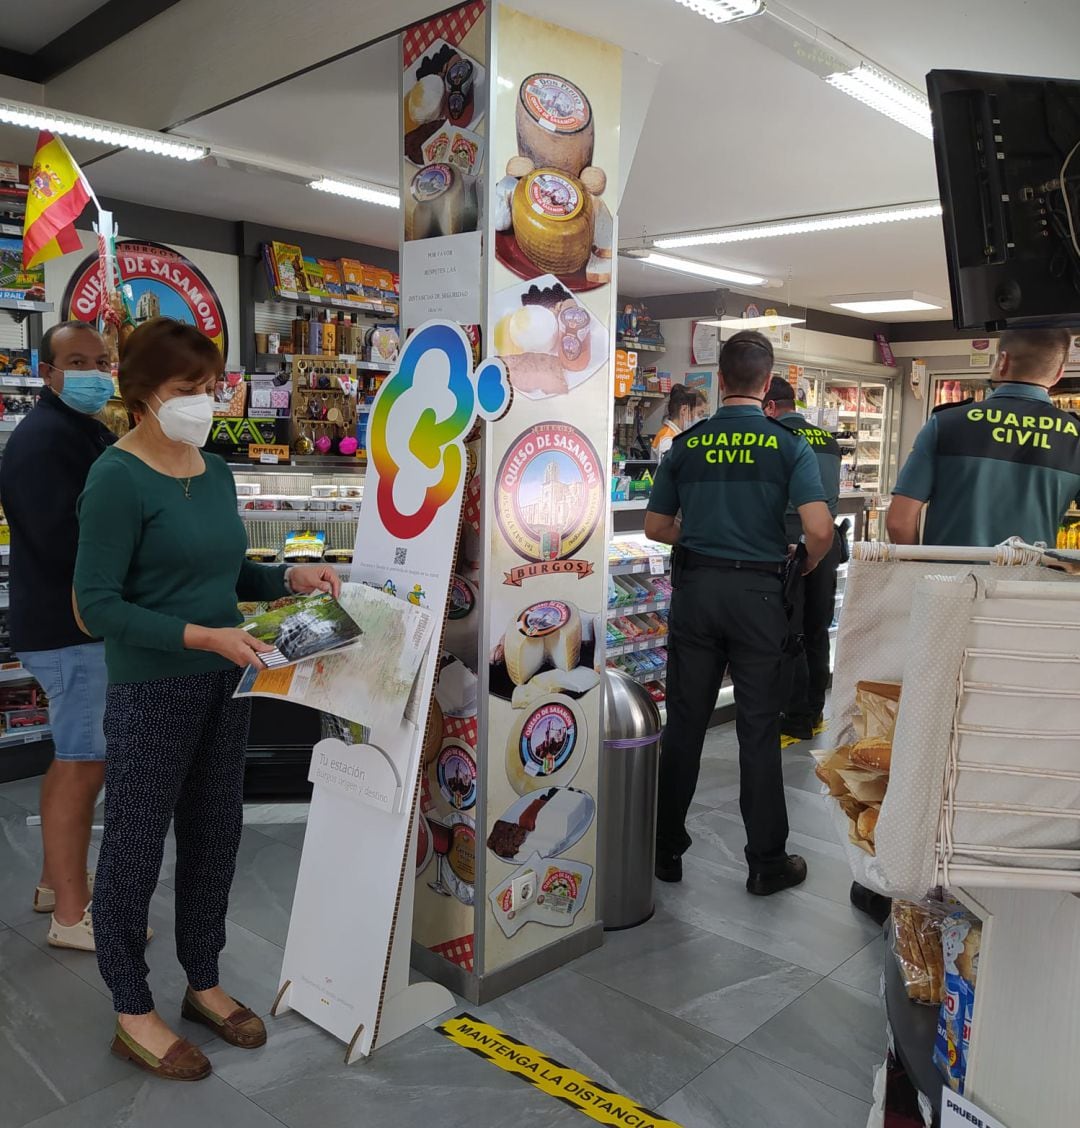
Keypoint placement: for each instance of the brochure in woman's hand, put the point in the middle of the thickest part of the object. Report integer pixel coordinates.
(303, 627)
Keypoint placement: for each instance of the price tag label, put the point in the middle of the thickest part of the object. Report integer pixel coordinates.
(25, 305)
(268, 459)
(348, 358)
(656, 565)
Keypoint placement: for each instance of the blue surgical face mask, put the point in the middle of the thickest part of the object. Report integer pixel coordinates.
(87, 392)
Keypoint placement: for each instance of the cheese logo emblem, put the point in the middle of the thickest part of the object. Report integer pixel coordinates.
(431, 182)
(549, 492)
(543, 618)
(555, 104)
(548, 739)
(561, 885)
(554, 195)
(455, 770)
(462, 600)
(416, 450)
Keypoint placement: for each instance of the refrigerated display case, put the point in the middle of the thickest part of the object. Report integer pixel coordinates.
(863, 411)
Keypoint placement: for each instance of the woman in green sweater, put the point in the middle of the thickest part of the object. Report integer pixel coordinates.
(160, 569)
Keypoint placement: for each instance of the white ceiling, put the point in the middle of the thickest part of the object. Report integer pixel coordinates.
(27, 25)
(735, 133)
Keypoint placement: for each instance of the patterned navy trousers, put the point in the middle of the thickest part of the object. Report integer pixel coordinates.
(175, 752)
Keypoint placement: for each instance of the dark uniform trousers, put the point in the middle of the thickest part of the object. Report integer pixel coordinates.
(808, 672)
(725, 618)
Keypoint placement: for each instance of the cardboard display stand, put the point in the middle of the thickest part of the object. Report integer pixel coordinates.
(346, 957)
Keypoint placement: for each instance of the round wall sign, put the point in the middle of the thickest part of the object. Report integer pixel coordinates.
(162, 284)
(550, 492)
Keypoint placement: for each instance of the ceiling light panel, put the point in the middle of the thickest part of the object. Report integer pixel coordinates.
(701, 269)
(102, 132)
(836, 221)
(881, 92)
(724, 11)
(356, 190)
(886, 303)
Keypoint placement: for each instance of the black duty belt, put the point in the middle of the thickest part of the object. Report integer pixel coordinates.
(700, 560)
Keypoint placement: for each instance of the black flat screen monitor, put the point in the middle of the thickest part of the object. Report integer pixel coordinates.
(1001, 142)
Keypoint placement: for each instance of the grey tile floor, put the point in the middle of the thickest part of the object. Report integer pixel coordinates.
(724, 1011)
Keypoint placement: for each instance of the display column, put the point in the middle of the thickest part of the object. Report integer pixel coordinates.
(516, 136)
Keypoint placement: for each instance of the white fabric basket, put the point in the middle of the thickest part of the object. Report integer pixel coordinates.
(984, 788)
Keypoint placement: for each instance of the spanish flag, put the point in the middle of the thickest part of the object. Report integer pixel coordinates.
(58, 193)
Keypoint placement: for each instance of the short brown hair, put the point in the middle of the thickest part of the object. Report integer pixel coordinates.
(160, 350)
(780, 391)
(746, 361)
(683, 396)
(1036, 353)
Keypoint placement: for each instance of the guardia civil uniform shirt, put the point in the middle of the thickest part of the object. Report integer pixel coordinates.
(1009, 466)
(733, 476)
(827, 451)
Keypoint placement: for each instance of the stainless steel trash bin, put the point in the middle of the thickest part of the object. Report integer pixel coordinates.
(629, 762)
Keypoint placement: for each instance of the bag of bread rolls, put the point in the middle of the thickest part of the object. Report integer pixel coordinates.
(873, 753)
(878, 703)
(864, 785)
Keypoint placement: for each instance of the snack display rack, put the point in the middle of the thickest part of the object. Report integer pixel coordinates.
(982, 797)
(22, 721)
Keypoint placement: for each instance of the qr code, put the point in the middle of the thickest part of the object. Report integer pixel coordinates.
(399, 555)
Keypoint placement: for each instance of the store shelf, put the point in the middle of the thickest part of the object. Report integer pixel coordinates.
(914, 1027)
(636, 647)
(340, 358)
(318, 515)
(650, 675)
(23, 306)
(636, 461)
(643, 395)
(639, 346)
(638, 608)
(9, 423)
(9, 381)
(862, 414)
(636, 503)
(25, 736)
(377, 309)
(15, 673)
(636, 567)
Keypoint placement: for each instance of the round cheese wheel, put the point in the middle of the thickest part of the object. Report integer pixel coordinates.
(555, 126)
(552, 214)
(546, 745)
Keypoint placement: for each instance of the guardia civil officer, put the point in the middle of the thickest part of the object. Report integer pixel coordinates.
(809, 673)
(732, 477)
(1009, 466)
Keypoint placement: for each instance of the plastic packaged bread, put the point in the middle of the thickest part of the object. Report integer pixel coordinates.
(917, 948)
(878, 703)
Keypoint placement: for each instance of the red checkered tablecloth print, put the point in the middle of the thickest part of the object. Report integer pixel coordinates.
(461, 728)
(459, 951)
(451, 26)
(471, 509)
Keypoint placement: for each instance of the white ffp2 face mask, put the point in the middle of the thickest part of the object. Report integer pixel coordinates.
(186, 419)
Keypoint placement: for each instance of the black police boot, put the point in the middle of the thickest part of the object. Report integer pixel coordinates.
(669, 867)
(764, 884)
(873, 904)
(798, 728)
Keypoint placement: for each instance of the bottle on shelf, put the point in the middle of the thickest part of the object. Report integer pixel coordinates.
(1062, 537)
(329, 335)
(299, 331)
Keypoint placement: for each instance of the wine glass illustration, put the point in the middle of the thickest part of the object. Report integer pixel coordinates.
(441, 840)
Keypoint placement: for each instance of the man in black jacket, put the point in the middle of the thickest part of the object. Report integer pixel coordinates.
(42, 473)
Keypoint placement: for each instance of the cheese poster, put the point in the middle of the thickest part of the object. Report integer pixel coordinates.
(444, 96)
(553, 143)
(444, 150)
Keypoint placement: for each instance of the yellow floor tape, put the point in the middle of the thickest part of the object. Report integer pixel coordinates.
(549, 1076)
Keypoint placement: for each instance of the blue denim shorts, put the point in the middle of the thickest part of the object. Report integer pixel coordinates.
(75, 679)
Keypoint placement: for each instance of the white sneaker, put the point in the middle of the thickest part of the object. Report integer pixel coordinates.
(80, 935)
(45, 898)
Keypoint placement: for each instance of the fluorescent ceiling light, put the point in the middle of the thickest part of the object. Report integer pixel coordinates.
(701, 269)
(834, 221)
(887, 95)
(763, 322)
(724, 11)
(102, 132)
(355, 190)
(906, 302)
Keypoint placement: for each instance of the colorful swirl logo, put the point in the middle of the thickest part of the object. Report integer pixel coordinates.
(438, 358)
